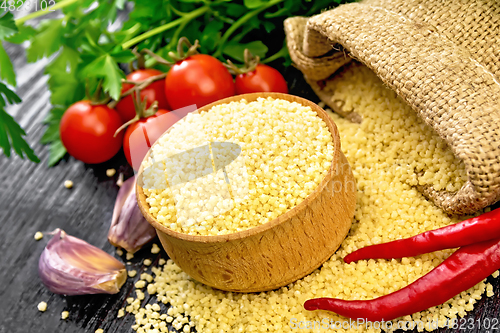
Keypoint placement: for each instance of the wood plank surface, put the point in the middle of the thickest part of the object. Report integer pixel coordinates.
(33, 198)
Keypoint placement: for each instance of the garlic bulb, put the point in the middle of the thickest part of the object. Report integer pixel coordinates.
(71, 266)
(129, 229)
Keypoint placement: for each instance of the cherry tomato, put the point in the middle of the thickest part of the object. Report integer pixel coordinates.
(199, 79)
(141, 135)
(263, 79)
(87, 132)
(153, 92)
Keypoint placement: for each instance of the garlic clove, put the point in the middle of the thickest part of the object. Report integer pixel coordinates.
(129, 229)
(71, 266)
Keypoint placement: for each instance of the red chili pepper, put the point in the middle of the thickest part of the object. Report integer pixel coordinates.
(471, 231)
(465, 268)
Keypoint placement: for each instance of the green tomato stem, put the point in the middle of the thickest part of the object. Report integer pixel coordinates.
(131, 32)
(242, 34)
(281, 53)
(187, 17)
(176, 11)
(39, 13)
(239, 23)
(177, 33)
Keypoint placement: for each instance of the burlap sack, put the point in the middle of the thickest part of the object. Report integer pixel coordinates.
(440, 56)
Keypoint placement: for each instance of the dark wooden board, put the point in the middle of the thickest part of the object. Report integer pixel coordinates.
(33, 198)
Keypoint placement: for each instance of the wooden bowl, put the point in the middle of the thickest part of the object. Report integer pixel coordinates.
(276, 253)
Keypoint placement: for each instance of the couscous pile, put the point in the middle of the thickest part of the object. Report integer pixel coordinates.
(390, 151)
(286, 150)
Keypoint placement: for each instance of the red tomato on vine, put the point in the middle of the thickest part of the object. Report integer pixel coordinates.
(87, 132)
(199, 79)
(141, 135)
(262, 79)
(153, 92)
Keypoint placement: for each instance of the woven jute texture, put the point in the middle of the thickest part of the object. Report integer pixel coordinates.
(441, 57)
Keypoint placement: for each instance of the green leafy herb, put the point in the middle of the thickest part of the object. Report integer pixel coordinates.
(47, 40)
(6, 69)
(52, 120)
(64, 85)
(56, 152)
(235, 50)
(11, 134)
(8, 29)
(7, 96)
(25, 33)
(8, 26)
(105, 66)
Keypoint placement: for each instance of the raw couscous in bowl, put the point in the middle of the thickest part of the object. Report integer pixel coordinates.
(270, 195)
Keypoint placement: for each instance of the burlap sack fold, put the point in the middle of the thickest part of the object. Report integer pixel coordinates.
(441, 57)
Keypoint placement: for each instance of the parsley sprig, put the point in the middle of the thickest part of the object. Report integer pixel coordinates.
(11, 134)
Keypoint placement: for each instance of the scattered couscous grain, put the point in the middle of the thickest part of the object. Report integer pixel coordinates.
(147, 262)
(139, 294)
(155, 249)
(38, 235)
(151, 289)
(283, 144)
(147, 277)
(64, 315)
(121, 313)
(110, 172)
(140, 284)
(390, 151)
(129, 256)
(42, 306)
(132, 273)
(119, 181)
(119, 251)
(489, 290)
(68, 184)
(99, 330)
